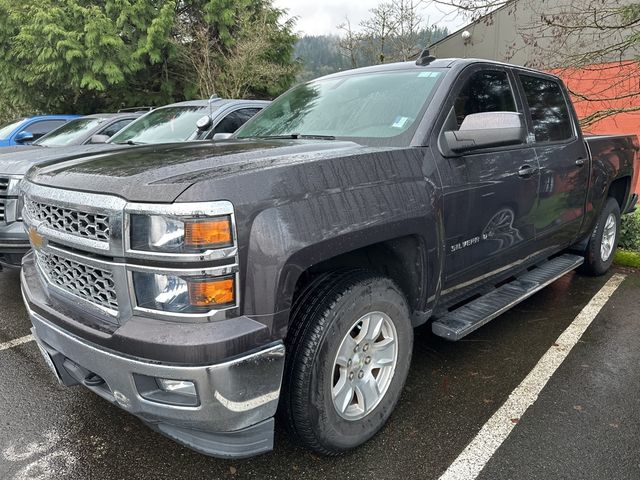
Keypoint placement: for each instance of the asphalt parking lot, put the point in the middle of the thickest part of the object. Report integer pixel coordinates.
(583, 425)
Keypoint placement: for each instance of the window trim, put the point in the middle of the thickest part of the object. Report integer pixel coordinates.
(572, 117)
(454, 91)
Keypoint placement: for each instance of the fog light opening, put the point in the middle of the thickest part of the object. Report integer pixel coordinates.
(179, 387)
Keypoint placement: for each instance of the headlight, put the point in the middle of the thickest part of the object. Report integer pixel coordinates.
(166, 234)
(176, 294)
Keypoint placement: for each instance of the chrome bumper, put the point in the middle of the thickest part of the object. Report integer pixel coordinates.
(236, 399)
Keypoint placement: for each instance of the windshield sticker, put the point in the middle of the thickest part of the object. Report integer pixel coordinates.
(428, 74)
(400, 122)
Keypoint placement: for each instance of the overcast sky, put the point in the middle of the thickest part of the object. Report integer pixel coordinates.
(320, 17)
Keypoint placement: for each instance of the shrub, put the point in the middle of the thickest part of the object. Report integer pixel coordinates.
(630, 232)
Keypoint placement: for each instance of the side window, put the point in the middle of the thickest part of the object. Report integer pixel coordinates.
(484, 91)
(548, 107)
(115, 127)
(234, 121)
(39, 129)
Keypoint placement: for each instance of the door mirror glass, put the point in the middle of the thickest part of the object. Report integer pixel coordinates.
(99, 139)
(486, 130)
(24, 137)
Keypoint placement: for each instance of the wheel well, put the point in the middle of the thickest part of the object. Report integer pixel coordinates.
(400, 259)
(619, 189)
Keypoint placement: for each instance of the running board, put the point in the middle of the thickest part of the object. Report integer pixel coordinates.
(462, 321)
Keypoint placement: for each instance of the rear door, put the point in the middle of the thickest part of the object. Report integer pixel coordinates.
(563, 159)
(489, 194)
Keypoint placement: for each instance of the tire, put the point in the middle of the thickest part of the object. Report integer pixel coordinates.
(596, 263)
(322, 316)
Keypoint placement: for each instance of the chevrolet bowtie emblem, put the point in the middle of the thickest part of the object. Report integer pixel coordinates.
(37, 240)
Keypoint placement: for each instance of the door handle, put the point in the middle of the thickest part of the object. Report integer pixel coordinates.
(580, 162)
(526, 171)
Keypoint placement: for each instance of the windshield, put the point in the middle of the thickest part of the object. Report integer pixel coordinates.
(7, 130)
(69, 132)
(380, 107)
(170, 124)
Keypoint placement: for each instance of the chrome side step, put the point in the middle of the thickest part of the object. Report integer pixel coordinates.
(462, 321)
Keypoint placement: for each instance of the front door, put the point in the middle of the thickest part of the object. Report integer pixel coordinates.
(489, 194)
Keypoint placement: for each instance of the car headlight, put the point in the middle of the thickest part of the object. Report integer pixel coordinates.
(183, 294)
(167, 234)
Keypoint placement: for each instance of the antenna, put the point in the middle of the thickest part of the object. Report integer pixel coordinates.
(212, 99)
(425, 59)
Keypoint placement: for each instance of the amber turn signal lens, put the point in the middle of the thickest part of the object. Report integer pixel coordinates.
(213, 292)
(210, 233)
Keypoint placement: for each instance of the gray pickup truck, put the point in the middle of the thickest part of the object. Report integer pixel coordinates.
(202, 287)
(184, 121)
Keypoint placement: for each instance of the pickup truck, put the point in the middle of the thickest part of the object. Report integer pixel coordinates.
(184, 121)
(205, 287)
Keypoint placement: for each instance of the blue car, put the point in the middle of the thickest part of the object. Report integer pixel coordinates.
(26, 130)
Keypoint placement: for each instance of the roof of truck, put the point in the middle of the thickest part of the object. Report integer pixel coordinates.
(437, 63)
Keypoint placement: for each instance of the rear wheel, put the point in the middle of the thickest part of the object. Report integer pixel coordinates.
(349, 351)
(604, 240)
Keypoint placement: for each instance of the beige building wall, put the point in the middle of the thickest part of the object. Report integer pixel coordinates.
(516, 34)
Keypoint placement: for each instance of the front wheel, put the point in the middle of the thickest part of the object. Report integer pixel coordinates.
(349, 351)
(604, 240)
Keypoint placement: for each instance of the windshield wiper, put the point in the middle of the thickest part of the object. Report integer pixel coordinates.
(129, 142)
(297, 136)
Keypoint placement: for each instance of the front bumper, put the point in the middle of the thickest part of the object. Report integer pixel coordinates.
(237, 398)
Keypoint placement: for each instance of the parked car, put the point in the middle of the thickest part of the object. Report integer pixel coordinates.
(184, 121)
(99, 127)
(200, 287)
(26, 130)
(192, 120)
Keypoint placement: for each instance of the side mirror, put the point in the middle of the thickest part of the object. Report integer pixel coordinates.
(99, 139)
(222, 136)
(486, 130)
(204, 123)
(24, 137)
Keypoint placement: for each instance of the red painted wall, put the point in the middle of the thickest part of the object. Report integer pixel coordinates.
(607, 86)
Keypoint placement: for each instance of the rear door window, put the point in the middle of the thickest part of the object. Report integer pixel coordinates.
(549, 109)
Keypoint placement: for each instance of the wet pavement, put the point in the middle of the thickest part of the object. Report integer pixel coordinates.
(584, 425)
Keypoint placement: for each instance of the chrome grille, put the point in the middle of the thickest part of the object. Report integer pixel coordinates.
(92, 284)
(4, 186)
(2, 211)
(75, 222)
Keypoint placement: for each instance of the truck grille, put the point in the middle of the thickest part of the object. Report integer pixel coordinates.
(4, 186)
(92, 284)
(2, 211)
(74, 222)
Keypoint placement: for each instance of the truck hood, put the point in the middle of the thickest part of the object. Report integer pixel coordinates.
(160, 173)
(19, 160)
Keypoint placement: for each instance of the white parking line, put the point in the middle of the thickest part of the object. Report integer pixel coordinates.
(475, 456)
(16, 342)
